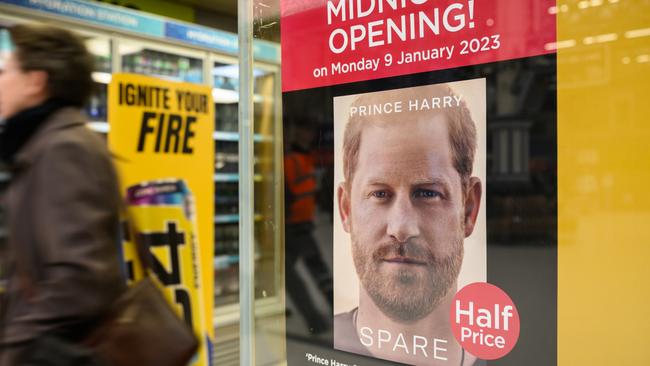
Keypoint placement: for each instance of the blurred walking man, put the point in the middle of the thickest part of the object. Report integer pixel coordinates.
(63, 200)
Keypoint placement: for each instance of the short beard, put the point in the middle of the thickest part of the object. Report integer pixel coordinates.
(396, 295)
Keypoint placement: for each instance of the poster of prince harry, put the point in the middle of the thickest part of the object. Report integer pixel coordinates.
(409, 196)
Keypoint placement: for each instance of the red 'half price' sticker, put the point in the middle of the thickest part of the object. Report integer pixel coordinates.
(485, 321)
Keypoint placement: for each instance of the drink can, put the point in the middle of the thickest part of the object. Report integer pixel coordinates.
(161, 215)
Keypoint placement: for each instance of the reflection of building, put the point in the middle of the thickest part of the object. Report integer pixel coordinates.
(522, 152)
(511, 151)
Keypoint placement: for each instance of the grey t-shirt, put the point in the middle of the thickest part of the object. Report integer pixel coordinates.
(345, 334)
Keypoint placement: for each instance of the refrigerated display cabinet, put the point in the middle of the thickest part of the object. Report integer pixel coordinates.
(119, 51)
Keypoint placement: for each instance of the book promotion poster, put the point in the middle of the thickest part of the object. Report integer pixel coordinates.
(420, 182)
(161, 139)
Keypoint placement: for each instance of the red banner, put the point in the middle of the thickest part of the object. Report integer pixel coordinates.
(328, 42)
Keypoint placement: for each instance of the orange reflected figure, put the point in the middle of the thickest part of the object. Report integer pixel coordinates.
(300, 197)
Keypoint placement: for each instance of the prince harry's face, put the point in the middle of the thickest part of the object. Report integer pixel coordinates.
(407, 215)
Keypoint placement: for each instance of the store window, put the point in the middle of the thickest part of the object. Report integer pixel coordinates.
(563, 118)
(166, 50)
(226, 88)
(556, 93)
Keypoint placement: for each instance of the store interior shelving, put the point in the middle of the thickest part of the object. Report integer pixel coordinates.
(118, 52)
(266, 178)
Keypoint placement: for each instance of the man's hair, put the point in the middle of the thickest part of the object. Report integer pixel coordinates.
(462, 131)
(61, 54)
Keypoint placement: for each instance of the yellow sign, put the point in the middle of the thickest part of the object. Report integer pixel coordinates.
(161, 136)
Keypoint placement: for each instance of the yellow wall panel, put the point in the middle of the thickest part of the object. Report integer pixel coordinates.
(603, 180)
